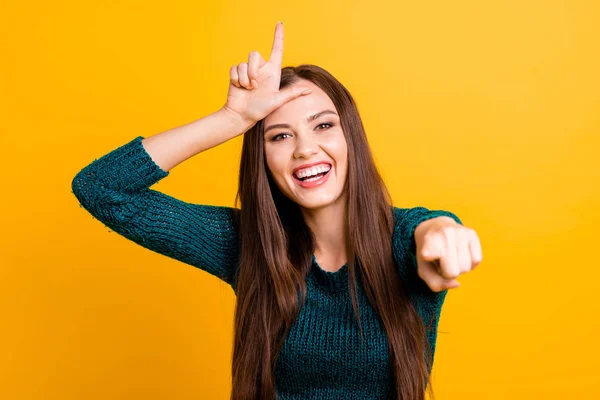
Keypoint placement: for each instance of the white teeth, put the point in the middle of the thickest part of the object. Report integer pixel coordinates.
(312, 179)
(303, 173)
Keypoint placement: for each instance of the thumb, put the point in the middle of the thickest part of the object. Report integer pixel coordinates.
(291, 93)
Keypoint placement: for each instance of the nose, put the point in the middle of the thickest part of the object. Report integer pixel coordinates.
(305, 146)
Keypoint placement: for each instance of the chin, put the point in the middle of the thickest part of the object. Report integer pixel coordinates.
(310, 200)
(317, 203)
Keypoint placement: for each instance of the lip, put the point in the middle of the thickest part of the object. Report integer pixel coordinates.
(311, 165)
(313, 184)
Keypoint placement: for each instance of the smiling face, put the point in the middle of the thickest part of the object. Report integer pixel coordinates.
(305, 149)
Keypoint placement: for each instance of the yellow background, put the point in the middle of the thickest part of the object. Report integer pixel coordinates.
(490, 109)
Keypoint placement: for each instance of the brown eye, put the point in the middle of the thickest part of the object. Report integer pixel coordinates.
(327, 124)
(276, 137)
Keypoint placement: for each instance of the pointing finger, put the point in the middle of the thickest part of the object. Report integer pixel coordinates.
(277, 50)
(434, 280)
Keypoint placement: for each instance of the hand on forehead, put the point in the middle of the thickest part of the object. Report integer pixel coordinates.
(299, 110)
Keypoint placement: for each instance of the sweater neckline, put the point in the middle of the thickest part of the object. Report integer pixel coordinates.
(333, 281)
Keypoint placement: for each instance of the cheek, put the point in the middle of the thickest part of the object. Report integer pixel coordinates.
(338, 149)
(344, 155)
(276, 164)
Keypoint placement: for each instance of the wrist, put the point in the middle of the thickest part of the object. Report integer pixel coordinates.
(235, 120)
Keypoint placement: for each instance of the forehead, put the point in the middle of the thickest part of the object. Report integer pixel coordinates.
(302, 107)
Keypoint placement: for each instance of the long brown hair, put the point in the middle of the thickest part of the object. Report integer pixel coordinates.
(276, 250)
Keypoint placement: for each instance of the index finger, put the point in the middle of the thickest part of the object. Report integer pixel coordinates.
(435, 280)
(277, 50)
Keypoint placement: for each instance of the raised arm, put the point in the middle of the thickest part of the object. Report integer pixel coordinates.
(116, 188)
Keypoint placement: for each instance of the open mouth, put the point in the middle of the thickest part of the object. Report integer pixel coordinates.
(312, 177)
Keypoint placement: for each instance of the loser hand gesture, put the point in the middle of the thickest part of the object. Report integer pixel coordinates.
(254, 86)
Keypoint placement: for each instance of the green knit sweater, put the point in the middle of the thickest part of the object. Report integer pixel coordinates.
(323, 356)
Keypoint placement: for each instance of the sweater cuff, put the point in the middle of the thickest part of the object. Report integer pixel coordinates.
(128, 168)
(407, 221)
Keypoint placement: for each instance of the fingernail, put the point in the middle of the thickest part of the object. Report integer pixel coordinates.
(280, 22)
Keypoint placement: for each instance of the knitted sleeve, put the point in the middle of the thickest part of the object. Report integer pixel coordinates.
(427, 302)
(115, 190)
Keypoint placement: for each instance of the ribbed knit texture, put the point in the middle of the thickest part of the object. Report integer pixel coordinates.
(323, 356)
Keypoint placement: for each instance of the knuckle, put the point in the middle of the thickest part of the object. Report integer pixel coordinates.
(466, 267)
(467, 234)
(452, 276)
(467, 262)
(449, 230)
(429, 236)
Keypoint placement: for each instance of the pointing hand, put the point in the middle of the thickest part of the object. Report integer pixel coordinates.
(445, 250)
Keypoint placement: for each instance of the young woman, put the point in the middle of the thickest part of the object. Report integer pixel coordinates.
(339, 293)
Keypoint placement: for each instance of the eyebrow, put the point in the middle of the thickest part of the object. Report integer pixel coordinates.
(309, 119)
